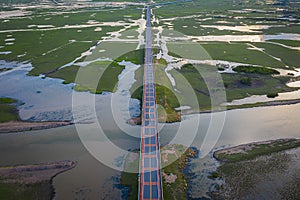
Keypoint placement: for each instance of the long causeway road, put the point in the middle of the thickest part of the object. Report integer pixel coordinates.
(150, 182)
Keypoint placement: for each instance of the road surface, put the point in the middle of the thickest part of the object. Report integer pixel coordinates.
(150, 184)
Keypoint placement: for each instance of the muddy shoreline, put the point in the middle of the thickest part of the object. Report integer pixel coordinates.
(247, 148)
(137, 120)
(21, 126)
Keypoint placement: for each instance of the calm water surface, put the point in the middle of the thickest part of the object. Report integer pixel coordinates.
(92, 179)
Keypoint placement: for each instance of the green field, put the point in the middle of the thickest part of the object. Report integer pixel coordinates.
(63, 35)
(196, 85)
(255, 70)
(55, 17)
(52, 49)
(8, 110)
(203, 6)
(259, 85)
(294, 28)
(16, 191)
(240, 52)
(235, 88)
(248, 81)
(289, 57)
(292, 43)
(96, 77)
(189, 50)
(234, 13)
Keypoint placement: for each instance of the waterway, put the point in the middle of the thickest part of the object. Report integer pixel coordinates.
(99, 144)
(93, 179)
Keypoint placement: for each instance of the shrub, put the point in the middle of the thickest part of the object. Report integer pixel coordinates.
(272, 95)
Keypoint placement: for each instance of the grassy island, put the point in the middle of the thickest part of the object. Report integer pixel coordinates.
(31, 181)
(249, 169)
